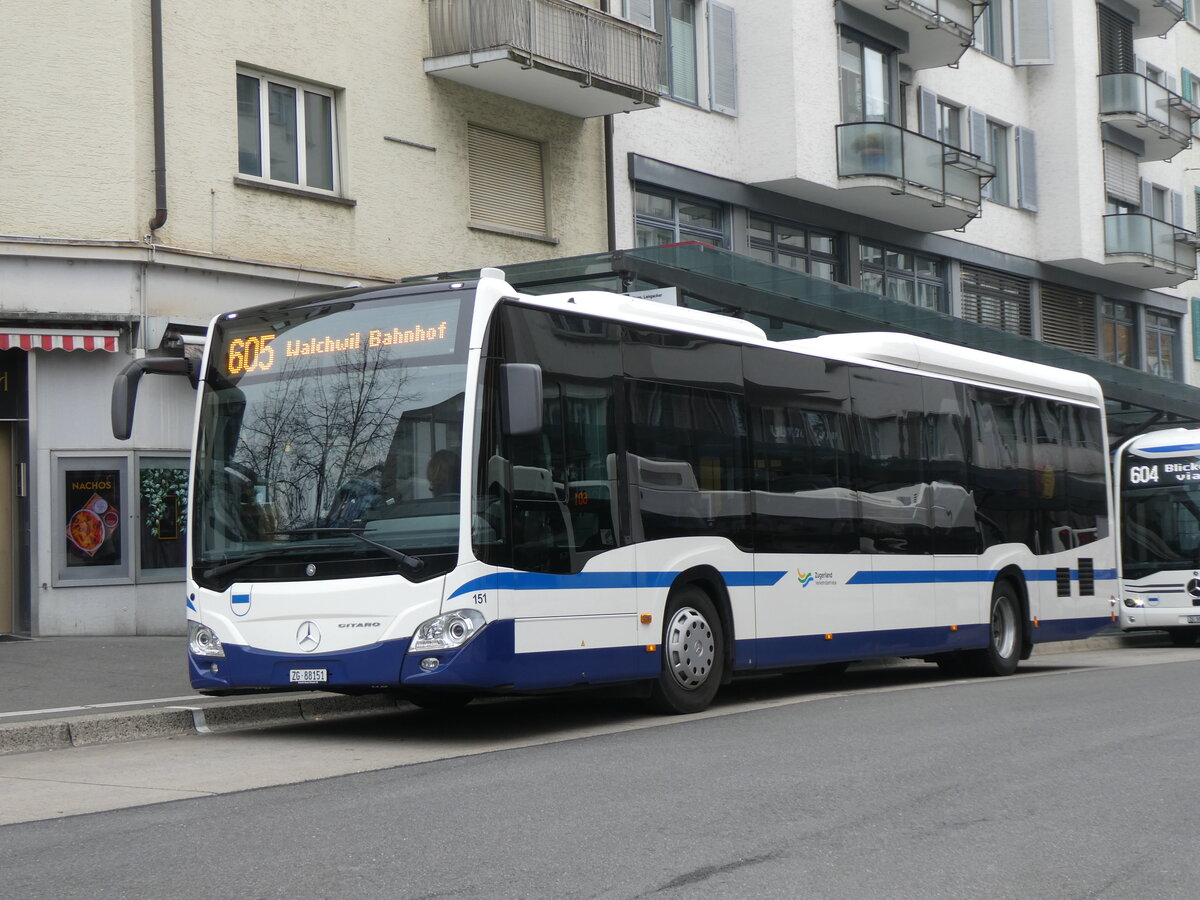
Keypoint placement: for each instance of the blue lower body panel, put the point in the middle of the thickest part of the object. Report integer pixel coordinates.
(245, 668)
(1068, 629)
(813, 649)
(490, 663)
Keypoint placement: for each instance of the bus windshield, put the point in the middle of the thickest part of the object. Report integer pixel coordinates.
(332, 434)
(1160, 516)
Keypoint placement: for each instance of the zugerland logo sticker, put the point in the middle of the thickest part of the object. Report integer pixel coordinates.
(239, 603)
(818, 578)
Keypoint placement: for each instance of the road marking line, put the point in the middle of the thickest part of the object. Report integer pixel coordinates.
(61, 709)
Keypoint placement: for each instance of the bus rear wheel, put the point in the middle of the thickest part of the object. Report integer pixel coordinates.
(693, 654)
(1003, 651)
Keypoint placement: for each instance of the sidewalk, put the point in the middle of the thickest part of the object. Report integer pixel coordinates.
(59, 692)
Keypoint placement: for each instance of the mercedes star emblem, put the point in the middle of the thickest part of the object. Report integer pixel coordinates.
(308, 636)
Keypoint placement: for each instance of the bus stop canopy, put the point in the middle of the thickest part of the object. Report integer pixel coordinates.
(789, 304)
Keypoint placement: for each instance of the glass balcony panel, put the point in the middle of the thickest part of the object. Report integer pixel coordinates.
(1129, 233)
(870, 148)
(923, 160)
(1158, 105)
(1122, 94)
(960, 183)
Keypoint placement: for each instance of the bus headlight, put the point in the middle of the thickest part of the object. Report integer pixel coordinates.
(202, 641)
(449, 631)
(1134, 602)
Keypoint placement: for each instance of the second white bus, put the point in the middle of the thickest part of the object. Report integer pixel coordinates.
(1158, 506)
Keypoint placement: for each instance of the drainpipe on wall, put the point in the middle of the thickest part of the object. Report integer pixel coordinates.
(160, 140)
(610, 199)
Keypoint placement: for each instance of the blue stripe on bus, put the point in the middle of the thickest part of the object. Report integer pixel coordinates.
(1171, 448)
(963, 576)
(537, 581)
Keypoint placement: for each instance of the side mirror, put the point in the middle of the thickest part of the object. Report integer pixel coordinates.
(124, 392)
(521, 398)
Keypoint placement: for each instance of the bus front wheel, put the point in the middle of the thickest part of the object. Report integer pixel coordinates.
(692, 653)
(1183, 637)
(1003, 651)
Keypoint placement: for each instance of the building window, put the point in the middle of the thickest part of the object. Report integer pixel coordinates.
(949, 124)
(799, 248)
(903, 275)
(867, 80)
(1116, 333)
(675, 20)
(662, 218)
(287, 131)
(507, 182)
(989, 30)
(162, 499)
(998, 190)
(1162, 333)
(91, 519)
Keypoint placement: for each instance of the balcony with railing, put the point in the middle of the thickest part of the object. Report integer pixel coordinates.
(1155, 17)
(907, 178)
(1161, 119)
(939, 31)
(1148, 252)
(556, 54)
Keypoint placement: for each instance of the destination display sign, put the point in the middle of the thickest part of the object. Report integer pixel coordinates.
(389, 330)
(1144, 473)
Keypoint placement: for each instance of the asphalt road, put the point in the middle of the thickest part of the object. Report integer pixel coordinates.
(1071, 780)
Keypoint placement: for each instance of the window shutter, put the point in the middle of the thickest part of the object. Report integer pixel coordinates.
(722, 57)
(640, 12)
(927, 115)
(977, 122)
(507, 183)
(1146, 197)
(1026, 170)
(1033, 32)
(1196, 328)
(1069, 319)
(1116, 42)
(1177, 208)
(1121, 175)
(1185, 82)
(996, 299)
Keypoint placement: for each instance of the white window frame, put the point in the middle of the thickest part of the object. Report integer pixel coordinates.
(265, 79)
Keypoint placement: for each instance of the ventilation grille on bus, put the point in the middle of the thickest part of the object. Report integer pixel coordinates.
(1063, 577)
(1087, 578)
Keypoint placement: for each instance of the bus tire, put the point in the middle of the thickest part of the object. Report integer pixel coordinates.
(692, 654)
(1003, 651)
(1183, 637)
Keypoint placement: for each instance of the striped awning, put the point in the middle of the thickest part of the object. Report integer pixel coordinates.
(58, 339)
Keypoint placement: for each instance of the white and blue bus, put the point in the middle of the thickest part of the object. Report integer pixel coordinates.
(1158, 507)
(637, 494)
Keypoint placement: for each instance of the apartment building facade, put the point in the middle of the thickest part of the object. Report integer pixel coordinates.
(179, 159)
(1023, 164)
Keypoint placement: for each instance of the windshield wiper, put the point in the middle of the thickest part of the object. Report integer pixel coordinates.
(410, 562)
(234, 565)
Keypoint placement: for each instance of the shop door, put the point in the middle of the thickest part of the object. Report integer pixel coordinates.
(7, 532)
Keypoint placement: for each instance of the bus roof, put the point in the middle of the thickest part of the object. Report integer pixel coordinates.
(887, 348)
(1168, 442)
(937, 358)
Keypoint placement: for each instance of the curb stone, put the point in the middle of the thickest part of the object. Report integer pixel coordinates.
(171, 721)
